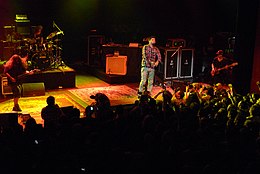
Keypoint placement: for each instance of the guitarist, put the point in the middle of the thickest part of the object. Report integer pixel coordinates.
(13, 68)
(222, 69)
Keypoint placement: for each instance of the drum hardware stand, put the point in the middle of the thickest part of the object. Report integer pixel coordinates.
(58, 47)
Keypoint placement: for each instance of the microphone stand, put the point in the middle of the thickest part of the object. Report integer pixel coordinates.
(178, 49)
(55, 25)
(58, 47)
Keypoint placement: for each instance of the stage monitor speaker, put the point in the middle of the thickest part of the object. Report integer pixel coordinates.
(8, 119)
(33, 89)
(116, 65)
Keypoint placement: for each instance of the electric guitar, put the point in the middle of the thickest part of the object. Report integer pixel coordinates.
(217, 70)
(22, 76)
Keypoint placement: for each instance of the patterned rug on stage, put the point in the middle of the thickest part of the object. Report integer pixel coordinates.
(33, 105)
(119, 94)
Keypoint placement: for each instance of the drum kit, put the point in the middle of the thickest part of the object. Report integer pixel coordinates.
(41, 56)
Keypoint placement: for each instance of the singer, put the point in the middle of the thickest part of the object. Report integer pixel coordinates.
(151, 57)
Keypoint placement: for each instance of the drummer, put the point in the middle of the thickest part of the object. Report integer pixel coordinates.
(37, 38)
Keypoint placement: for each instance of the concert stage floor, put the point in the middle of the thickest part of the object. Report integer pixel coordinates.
(76, 94)
(100, 73)
(73, 87)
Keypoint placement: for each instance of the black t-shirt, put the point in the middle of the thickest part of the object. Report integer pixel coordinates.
(16, 71)
(220, 64)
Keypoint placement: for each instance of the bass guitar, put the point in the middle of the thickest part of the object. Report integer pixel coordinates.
(22, 76)
(217, 70)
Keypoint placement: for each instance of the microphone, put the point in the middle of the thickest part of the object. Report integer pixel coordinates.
(53, 24)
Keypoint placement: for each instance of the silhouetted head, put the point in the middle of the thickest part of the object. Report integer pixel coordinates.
(50, 100)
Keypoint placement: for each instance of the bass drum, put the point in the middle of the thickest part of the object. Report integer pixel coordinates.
(40, 61)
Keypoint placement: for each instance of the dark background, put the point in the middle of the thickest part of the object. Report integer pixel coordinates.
(125, 21)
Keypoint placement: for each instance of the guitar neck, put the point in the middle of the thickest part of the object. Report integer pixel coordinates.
(216, 71)
(22, 76)
(27, 74)
(228, 66)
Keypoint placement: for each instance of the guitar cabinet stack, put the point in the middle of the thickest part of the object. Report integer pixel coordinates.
(177, 63)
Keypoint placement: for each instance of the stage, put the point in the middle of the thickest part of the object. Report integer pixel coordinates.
(72, 85)
(61, 77)
(52, 78)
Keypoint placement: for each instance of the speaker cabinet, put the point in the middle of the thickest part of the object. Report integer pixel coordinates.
(186, 63)
(116, 65)
(33, 89)
(8, 119)
(94, 44)
(171, 61)
(177, 63)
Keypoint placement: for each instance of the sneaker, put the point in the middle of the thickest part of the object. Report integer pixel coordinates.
(17, 108)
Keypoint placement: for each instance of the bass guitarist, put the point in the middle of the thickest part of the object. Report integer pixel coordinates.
(13, 68)
(222, 69)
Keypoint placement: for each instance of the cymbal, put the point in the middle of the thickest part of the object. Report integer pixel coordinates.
(57, 40)
(51, 35)
(60, 32)
(27, 39)
(55, 33)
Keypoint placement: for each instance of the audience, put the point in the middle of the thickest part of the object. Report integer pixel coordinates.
(205, 129)
(51, 115)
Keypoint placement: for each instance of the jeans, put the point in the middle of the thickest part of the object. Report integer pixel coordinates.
(147, 75)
